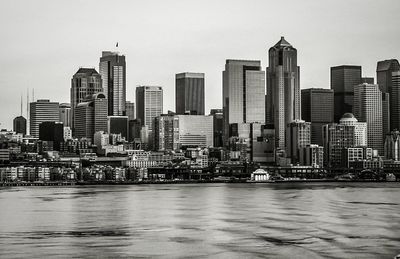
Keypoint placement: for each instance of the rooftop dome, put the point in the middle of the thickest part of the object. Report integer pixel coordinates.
(348, 117)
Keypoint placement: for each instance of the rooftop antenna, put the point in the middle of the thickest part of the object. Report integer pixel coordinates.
(27, 110)
(33, 94)
(21, 104)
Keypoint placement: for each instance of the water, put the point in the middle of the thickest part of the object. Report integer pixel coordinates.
(314, 220)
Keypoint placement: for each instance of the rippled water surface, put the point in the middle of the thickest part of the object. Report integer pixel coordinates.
(318, 220)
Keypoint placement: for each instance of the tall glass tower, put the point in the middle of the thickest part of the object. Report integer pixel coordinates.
(283, 89)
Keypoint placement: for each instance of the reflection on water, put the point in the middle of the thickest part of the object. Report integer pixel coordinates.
(314, 220)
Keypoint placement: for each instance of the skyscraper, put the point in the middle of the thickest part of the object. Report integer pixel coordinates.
(118, 125)
(368, 108)
(243, 93)
(395, 101)
(113, 75)
(41, 111)
(298, 136)
(218, 125)
(91, 116)
(130, 110)
(19, 125)
(317, 108)
(52, 131)
(343, 80)
(84, 83)
(149, 104)
(283, 89)
(384, 70)
(189, 93)
(66, 114)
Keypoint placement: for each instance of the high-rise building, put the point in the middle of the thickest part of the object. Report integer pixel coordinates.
(298, 136)
(348, 133)
(189, 93)
(368, 108)
(218, 125)
(84, 83)
(384, 70)
(41, 111)
(149, 104)
(385, 114)
(118, 125)
(19, 125)
(243, 93)
(130, 110)
(171, 132)
(395, 101)
(66, 114)
(317, 108)
(343, 80)
(113, 75)
(392, 145)
(52, 131)
(368, 80)
(283, 89)
(91, 116)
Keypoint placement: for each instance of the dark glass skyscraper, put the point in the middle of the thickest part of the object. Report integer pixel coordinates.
(317, 108)
(384, 70)
(113, 73)
(283, 89)
(19, 125)
(189, 93)
(343, 80)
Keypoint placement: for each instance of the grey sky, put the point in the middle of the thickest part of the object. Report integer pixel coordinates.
(44, 42)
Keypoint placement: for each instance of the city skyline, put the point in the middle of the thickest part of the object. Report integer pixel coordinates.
(199, 49)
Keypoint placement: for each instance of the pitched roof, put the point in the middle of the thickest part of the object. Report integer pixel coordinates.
(282, 43)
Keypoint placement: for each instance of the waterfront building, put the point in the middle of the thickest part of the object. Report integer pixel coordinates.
(85, 82)
(130, 110)
(384, 70)
(189, 93)
(392, 145)
(283, 89)
(368, 108)
(343, 80)
(66, 114)
(19, 125)
(113, 74)
(218, 126)
(91, 116)
(353, 154)
(41, 111)
(118, 125)
(317, 108)
(172, 132)
(243, 93)
(298, 136)
(311, 155)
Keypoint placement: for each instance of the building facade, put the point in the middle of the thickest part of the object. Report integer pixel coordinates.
(19, 125)
(189, 93)
(298, 136)
(66, 114)
(368, 108)
(343, 80)
(113, 74)
(283, 89)
(317, 108)
(41, 111)
(149, 104)
(118, 125)
(130, 110)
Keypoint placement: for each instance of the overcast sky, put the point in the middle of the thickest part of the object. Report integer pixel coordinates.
(44, 42)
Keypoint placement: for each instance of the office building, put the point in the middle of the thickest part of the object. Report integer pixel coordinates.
(19, 125)
(343, 80)
(360, 129)
(172, 132)
(66, 114)
(91, 116)
(384, 70)
(189, 93)
(395, 101)
(243, 93)
(134, 128)
(118, 125)
(130, 110)
(149, 104)
(317, 108)
(312, 155)
(113, 74)
(355, 154)
(385, 114)
(262, 143)
(84, 83)
(392, 146)
(52, 131)
(283, 89)
(368, 108)
(367, 80)
(298, 136)
(218, 125)
(41, 111)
